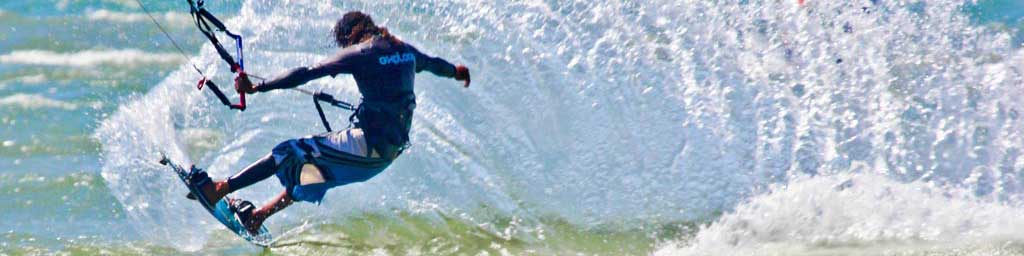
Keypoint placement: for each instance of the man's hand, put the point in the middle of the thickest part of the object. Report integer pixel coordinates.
(462, 74)
(243, 84)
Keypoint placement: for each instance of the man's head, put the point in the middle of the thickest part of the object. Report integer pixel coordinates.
(353, 28)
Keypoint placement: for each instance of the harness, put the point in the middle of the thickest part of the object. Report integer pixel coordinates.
(386, 123)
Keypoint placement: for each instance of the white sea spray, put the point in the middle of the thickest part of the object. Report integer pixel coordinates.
(602, 112)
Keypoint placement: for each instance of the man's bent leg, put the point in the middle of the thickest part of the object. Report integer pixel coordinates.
(216, 190)
(255, 172)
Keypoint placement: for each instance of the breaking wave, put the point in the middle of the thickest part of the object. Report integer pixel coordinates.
(89, 58)
(167, 18)
(34, 101)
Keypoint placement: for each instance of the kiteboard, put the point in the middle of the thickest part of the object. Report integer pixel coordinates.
(221, 210)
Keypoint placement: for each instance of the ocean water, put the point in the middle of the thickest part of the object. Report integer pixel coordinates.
(598, 127)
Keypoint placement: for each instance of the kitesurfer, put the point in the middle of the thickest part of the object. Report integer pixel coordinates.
(384, 68)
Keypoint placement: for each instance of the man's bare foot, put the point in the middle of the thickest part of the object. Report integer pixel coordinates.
(214, 191)
(255, 221)
(253, 218)
(248, 215)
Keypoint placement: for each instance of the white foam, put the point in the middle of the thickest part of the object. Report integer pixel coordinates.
(167, 18)
(31, 79)
(821, 214)
(33, 101)
(87, 58)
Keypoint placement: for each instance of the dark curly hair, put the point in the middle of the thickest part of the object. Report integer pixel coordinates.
(355, 27)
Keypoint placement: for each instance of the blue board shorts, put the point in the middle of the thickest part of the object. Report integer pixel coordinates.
(341, 156)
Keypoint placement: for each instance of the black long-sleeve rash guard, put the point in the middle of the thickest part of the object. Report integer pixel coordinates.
(383, 70)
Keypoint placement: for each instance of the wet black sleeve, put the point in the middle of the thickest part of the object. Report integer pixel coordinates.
(343, 62)
(435, 65)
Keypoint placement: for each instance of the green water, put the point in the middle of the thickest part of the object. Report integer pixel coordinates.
(54, 200)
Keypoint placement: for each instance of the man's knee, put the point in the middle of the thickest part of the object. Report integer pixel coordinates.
(310, 174)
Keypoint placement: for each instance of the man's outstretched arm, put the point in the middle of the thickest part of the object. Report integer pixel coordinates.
(339, 64)
(440, 67)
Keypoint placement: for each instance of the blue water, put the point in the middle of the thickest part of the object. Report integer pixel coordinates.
(604, 127)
